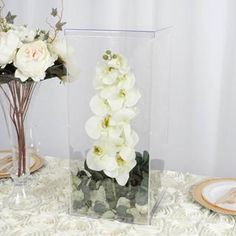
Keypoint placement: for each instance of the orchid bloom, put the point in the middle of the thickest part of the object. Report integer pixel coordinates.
(101, 157)
(125, 161)
(114, 109)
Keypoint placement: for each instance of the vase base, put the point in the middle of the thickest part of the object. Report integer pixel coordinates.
(21, 200)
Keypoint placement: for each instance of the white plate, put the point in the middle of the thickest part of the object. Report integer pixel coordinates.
(213, 192)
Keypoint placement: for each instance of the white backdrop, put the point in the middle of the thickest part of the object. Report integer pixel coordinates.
(202, 104)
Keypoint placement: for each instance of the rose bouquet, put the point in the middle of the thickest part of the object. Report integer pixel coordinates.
(27, 57)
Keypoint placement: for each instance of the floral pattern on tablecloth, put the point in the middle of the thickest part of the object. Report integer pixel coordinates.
(176, 215)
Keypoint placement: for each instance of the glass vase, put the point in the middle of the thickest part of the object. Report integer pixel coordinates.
(16, 100)
(114, 131)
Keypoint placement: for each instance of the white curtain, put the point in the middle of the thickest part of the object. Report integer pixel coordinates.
(202, 95)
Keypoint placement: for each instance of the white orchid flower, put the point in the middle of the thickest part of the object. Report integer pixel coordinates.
(107, 75)
(131, 137)
(97, 127)
(115, 136)
(127, 81)
(114, 109)
(124, 116)
(25, 34)
(125, 161)
(102, 157)
(118, 97)
(99, 106)
(120, 63)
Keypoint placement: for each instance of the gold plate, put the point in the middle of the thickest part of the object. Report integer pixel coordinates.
(38, 163)
(197, 195)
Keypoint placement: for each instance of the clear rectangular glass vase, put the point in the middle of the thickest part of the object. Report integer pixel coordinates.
(118, 117)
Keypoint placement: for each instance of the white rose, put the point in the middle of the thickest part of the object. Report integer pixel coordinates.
(59, 48)
(25, 34)
(32, 60)
(9, 42)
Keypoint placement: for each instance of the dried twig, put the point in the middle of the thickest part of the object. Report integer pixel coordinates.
(57, 27)
(2, 7)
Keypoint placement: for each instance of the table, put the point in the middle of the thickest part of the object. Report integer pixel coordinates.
(177, 214)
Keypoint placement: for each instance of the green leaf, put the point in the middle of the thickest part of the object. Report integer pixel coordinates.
(78, 204)
(95, 175)
(10, 18)
(99, 208)
(86, 192)
(145, 157)
(59, 25)
(111, 200)
(139, 157)
(88, 203)
(92, 185)
(54, 12)
(46, 36)
(129, 218)
(58, 70)
(81, 173)
(6, 79)
(121, 210)
(142, 197)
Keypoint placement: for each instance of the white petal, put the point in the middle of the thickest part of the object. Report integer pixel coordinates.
(93, 162)
(122, 179)
(21, 76)
(39, 77)
(127, 130)
(127, 153)
(131, 136)
(98, 106)
(112, 173)
(132, 97)
(93, 127)
(127, 82)
(109, 92)
(135, 138)
(124, 115)
(110, 78)
(109, 163)
(116, 104)
(131, 165)
(114, 136)
(97, 83)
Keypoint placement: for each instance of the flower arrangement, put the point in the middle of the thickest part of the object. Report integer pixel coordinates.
(26, 58)
(113, 180)
(114, 109)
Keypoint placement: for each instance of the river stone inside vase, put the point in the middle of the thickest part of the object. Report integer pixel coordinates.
(98, 196)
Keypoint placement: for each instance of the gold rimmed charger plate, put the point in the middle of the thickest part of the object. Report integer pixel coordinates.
(197, 195)
(38, 163)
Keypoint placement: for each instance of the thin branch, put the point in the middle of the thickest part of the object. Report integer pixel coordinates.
(2, 7)
(62, 8)
(59, 21)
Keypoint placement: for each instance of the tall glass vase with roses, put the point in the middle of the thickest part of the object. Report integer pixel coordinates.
(27, 58)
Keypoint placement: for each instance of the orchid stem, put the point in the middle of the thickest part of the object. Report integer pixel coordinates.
(114, 189)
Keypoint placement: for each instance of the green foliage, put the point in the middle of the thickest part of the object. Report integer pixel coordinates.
(54, 12)
(99, 208)
(10, 18)
(57, 70)
(59, 25)
(136, 190)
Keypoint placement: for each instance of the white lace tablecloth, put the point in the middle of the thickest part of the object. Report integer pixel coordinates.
(177, 214)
